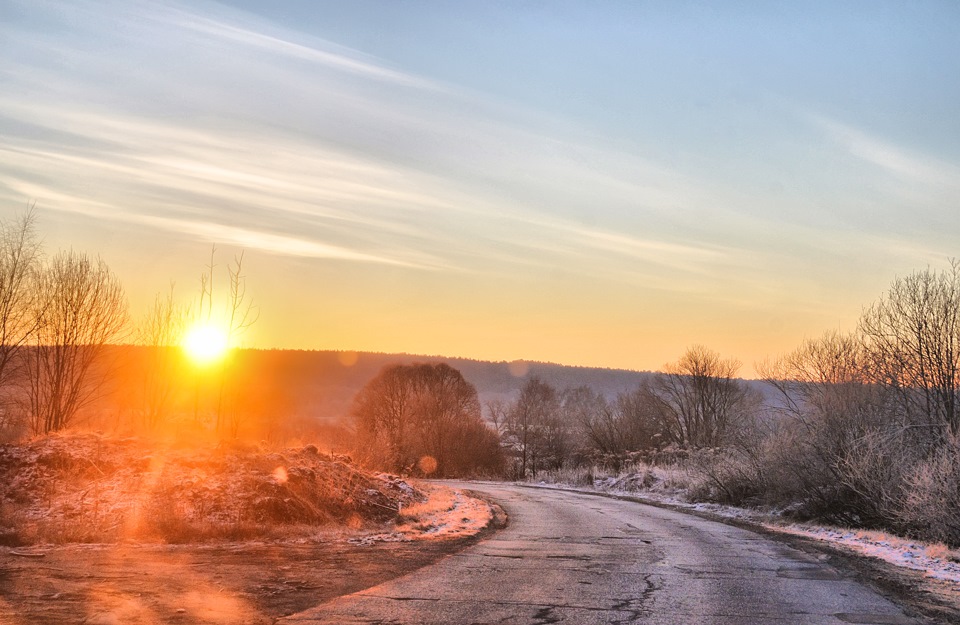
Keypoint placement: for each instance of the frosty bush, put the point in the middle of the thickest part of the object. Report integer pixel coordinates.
(731, 476)
(929, 507)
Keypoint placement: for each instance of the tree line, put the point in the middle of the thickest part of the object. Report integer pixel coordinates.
(408, 412)
(696, 402)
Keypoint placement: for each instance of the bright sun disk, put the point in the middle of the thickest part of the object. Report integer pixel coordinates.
(205, 344)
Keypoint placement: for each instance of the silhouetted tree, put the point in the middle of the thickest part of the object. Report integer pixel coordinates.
(424, 417)
(383, 413)
(160, 332)
(19, 260)
(913, 337)
(699, 399)
(79, 309)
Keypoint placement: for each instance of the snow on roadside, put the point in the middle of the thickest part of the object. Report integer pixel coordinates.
(446, 514)
(893, 549)
(933, 560)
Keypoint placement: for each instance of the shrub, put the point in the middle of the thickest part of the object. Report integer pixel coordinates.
(932, 498)
(730, 476)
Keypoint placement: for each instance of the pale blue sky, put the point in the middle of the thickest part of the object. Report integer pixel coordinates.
(596, 183)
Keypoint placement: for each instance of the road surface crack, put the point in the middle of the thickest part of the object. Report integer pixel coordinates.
(637, 608)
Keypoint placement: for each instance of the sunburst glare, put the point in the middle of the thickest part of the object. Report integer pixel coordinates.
(205, 344)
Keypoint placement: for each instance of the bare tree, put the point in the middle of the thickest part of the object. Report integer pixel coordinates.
(241, 314)
(603, 434)
(583, 410)
(19, 259)
(632, 423)
(497, 413)
(445, 401)
(699, 397)
(19, 256)
(828, 377)
(427, 417)
(160, 332)
(80, 309)
(383, 414)
(913, 336)
(835, 447)
(529, 421)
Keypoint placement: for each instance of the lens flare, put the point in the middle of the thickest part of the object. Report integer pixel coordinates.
(427, 464)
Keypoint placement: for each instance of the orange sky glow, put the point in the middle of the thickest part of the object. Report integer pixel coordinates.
(605, 185)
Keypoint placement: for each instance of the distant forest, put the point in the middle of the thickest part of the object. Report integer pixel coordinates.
(320, 386)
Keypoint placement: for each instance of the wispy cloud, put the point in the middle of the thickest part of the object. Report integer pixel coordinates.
(220, 128)
(264, 241)
(894, 159)
(392, 169)
(346, 62)
(260, 240)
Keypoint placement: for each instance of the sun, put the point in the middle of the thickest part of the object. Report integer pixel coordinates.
(205, 344)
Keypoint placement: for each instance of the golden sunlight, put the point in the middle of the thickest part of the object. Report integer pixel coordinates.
(205, 344)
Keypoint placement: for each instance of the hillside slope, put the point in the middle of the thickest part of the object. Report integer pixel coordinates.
(321, 385)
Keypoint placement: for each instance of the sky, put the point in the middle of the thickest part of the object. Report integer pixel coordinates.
(588, 183)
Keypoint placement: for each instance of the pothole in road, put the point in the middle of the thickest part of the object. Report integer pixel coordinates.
(816, 574)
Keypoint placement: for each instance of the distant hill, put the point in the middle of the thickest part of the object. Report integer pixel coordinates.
(321, 385)
(331, 379)
(504, 379)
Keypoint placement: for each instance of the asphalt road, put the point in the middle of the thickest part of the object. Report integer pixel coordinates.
(575, 558)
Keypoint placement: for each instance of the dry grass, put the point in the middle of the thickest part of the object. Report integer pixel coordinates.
(938, 551)
(872, 535)
(85, 488)
(674, 479)
(439, 501)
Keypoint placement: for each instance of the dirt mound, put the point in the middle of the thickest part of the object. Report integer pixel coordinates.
(87, 488)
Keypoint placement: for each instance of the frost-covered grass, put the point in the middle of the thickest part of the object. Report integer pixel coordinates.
(86, 488)
(935, 560)
(674, 480)
(445, 513)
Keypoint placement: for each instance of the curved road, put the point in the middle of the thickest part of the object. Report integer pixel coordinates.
(580, 559)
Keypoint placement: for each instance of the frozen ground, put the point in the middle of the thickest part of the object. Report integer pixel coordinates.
(87, 488)
(935, 561)
(447, 514)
